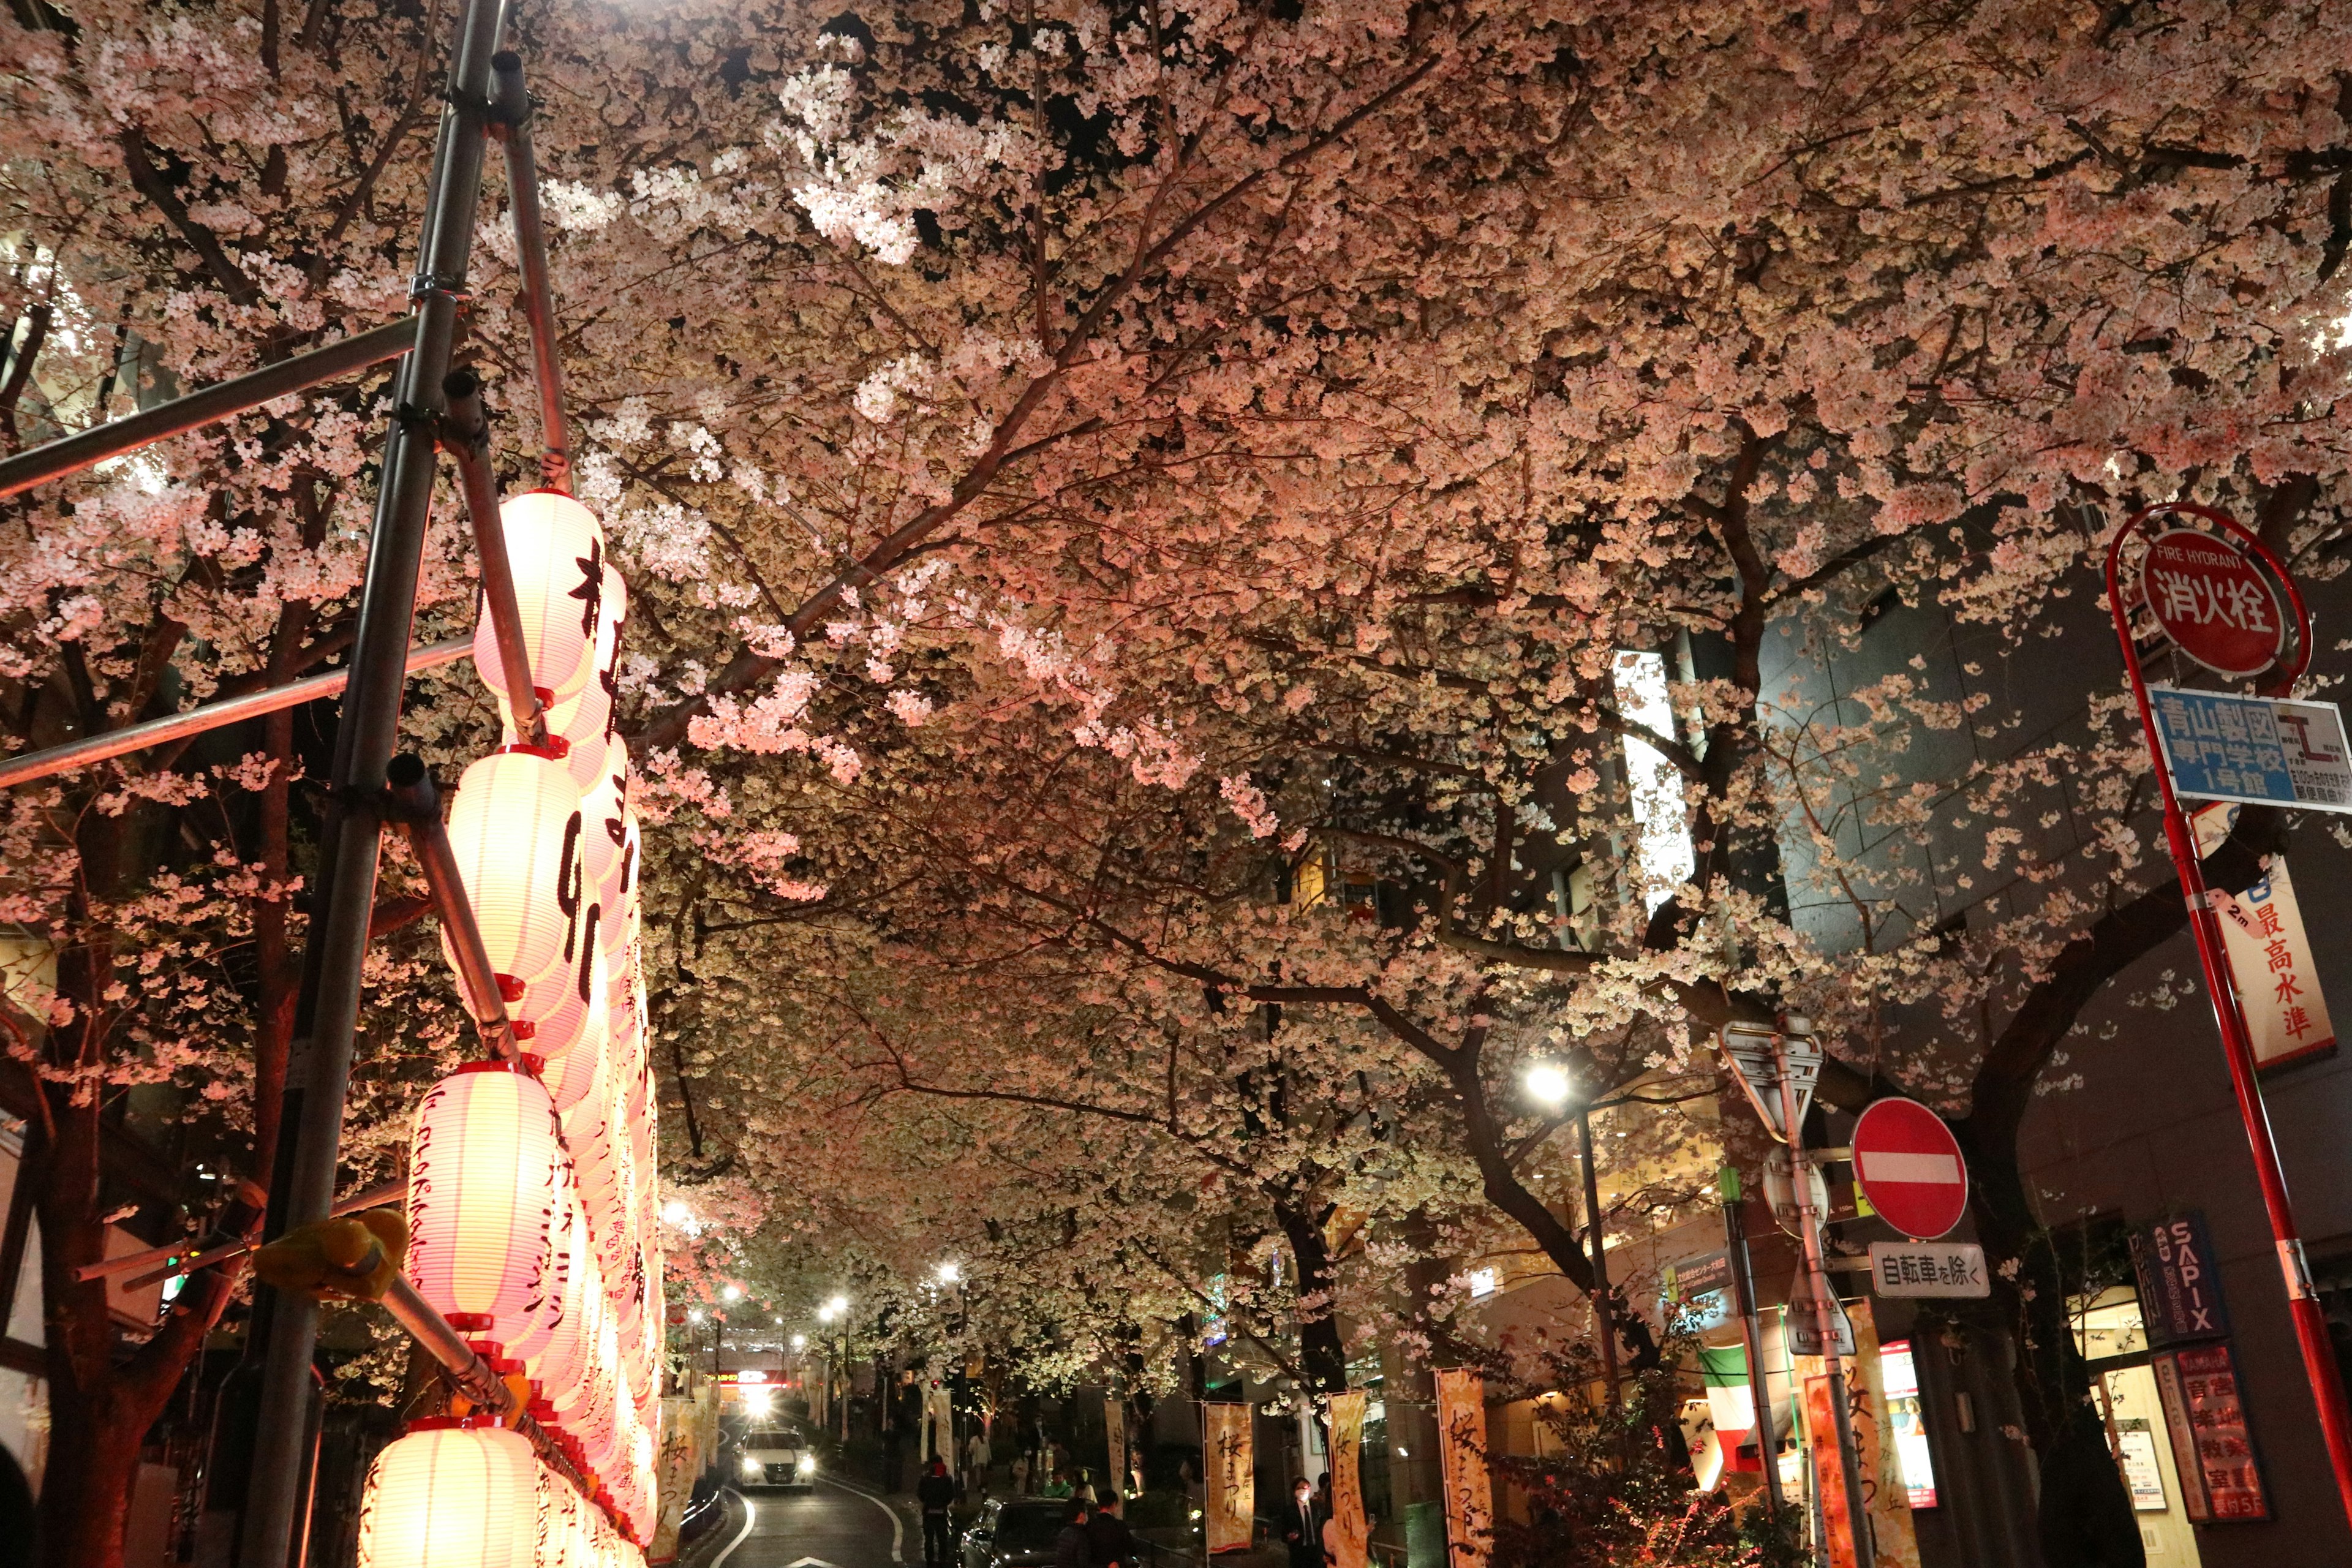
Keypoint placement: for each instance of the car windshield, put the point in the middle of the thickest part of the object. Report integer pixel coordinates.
(1028, 1526)
(773, 1441)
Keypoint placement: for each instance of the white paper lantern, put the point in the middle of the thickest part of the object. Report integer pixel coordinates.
(488, 1186)
(556, 552)
(452, 1496)
(557, 1357)
(514, 831)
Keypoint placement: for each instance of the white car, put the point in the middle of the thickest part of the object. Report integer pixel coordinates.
(775, 1458)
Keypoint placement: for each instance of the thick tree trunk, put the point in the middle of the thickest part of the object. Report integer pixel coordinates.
(1322, 1352)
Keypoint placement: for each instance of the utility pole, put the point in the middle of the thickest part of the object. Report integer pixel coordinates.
(1604, 1324)
(1751, 1338)
(1824, 1305)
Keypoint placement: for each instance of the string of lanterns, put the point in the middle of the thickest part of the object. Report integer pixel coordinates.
(533, 1200)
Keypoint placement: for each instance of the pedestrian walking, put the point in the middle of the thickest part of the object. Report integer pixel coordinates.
(1020, 1475)
(1109, 1542)
(936, 1493)
(1301, 1530)
(1072, 1546)
(976, 1458)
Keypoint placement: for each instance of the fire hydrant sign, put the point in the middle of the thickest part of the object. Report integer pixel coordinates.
(2269, 959)
(2211, 601)
(2265, 751)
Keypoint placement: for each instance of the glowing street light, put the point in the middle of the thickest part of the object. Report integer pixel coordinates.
(1548, 1084)
(800, 1342)
(733, 1292)
(949, 1273)
(675, 1212)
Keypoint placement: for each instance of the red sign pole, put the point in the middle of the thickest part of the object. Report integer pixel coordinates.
(2237, 1046)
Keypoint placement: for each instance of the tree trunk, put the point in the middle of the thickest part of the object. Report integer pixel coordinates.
(1322, 1352)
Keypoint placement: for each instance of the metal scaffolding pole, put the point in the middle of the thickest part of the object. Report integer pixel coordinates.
(511, 125)
(319, 1073)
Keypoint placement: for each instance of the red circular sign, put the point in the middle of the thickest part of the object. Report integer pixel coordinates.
(2211, 601)
(1908, 1166)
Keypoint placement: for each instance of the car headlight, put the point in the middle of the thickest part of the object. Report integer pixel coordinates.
(808, 1464)
(751, 1466)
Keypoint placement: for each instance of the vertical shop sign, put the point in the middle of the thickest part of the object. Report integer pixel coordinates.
(1348, 1479)
(1462, 1453)
(1115, 1441)
(2270, 958)
(1232, 1490)
(2180, 1280)
(2212, 1446)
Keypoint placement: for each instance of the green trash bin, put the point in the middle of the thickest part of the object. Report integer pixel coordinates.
(1424, 1535)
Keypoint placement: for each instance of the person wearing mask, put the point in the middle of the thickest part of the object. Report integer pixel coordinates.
(1072, 1545)
(936, 1493)
(1302, 1530)
(1109, 1543)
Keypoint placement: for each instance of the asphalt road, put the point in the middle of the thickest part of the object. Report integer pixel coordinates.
(833, 1526)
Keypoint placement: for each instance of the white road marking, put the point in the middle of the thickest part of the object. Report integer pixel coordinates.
(751, 1517)
(898, 1525)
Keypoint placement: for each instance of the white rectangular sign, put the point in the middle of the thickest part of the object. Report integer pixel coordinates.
(2269, 959)
(1947, 1268)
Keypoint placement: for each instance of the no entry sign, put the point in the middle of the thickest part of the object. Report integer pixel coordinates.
(1908, 1166)
(2212, 603)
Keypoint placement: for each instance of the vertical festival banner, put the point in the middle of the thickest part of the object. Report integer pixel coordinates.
(1115, 1432)
(1461, 1456)
(1828, 1474)
(1233, 1493)
(1347, 1480)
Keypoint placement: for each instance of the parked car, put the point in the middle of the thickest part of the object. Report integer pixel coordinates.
(1014, 1532)
(778, 1456)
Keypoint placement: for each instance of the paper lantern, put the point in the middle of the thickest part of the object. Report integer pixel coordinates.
(556, 552)
(453, 1496)
(488, 1185)
(568, 1003)
(605, 828)
(582, 1069)
(515, 834)
(556, 1357)
(587, 715)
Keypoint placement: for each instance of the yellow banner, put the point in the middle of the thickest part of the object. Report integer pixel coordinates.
(1114, 1435)
(1461, 1456)
(1233, 1492)
(1348, 1525)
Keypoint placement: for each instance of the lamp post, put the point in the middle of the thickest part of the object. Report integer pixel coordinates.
(1548, 1085)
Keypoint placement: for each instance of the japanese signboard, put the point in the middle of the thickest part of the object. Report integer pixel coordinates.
(2270, 958)
(1696, 1293)
(2212, 1446)
(1462, 1463)
(1945, 1268)
(1232, 1486)
(2211, 601)
(2179, 1282)
(2263, 749)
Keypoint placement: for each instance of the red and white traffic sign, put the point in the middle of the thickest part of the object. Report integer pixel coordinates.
(1908, 1166)
(2212, 603)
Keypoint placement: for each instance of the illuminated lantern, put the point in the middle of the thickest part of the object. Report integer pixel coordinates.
(567, 1004)
(603, 828)
(582, 1069)
(515, 832)
(452, 1496)
(556, 552)
(587, 715)
(557, 1357)
(488, 1185)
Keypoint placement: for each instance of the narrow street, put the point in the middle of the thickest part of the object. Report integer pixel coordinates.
(835, 1526)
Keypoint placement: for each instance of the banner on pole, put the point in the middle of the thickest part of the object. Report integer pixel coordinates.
(1462, 1462)
(1354, 1535)
(2270, 958)
(1828, 1474)
(1232, 1490)
(1115, 1431)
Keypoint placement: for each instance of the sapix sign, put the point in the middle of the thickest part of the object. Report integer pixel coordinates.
(2179, 1282)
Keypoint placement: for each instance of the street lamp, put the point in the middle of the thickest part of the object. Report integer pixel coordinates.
(800, 1342)
(1547, 1085)
(949, 1273)
(733, 1292)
